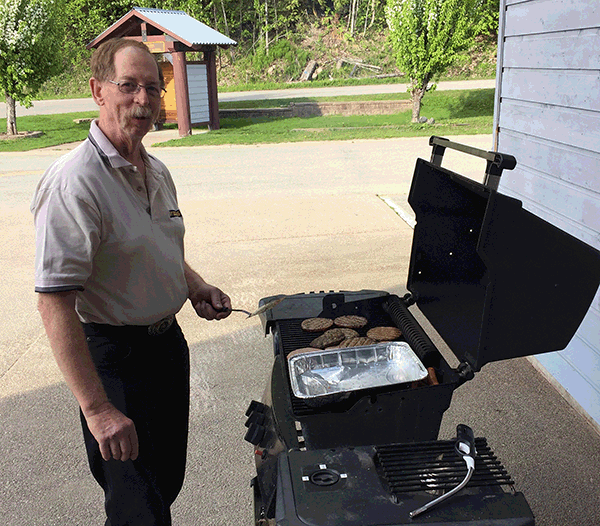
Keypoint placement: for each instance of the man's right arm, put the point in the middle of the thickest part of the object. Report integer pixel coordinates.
(114, 432)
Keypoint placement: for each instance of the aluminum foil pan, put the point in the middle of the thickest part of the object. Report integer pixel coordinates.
(315, 373)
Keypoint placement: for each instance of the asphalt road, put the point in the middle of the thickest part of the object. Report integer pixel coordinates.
(47, 107)
(262, 220)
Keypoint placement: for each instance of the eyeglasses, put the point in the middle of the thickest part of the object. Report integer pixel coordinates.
(131, 88)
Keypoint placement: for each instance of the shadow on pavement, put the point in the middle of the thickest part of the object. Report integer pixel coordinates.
(551, 452)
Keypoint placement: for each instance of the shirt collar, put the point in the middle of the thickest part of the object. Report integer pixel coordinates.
(107, 151)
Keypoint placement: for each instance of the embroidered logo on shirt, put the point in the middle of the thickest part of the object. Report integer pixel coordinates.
(175, 213)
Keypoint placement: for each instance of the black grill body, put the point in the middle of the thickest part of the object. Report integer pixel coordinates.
(372, 457)
(349, 487)
(493, 280)
(374, 416)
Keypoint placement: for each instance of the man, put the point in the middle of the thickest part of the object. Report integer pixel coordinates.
(111, 275)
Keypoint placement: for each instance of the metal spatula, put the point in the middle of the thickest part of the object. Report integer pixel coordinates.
(267, 306)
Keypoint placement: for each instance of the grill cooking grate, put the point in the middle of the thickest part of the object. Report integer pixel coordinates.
(293, 337)
(428, 466)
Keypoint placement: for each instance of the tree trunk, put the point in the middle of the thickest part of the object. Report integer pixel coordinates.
(417, 96)
(267, 26)
(353, 11)
(276, 21)
(372, 15)
(11, 115)
(417, 93)
(225, 18)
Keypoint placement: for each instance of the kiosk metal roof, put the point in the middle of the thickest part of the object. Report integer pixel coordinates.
(177, 25)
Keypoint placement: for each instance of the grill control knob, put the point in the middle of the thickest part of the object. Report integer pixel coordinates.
(325, 477)
(255, 434)
(255, 407)
(255, 418)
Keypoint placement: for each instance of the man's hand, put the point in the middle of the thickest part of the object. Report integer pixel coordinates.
(208, 301)
(114, 432)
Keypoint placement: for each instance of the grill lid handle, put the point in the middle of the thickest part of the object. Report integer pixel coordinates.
(496, 162)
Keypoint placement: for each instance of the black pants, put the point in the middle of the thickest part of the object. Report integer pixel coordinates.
(147, 378)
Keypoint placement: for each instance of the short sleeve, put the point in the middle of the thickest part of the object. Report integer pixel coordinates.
(68, 232)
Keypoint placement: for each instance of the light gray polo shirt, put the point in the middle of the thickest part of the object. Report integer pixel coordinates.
(117, 239)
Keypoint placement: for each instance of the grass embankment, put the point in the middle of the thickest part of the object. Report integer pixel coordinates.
(468, 112)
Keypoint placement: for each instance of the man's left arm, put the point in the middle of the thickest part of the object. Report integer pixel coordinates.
(208, 301)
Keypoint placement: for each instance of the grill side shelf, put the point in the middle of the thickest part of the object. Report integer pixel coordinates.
(428, 466)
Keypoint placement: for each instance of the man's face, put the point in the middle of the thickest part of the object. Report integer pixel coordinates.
(130, 115)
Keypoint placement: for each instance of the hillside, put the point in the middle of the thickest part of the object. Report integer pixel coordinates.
(338, 58)
(328, 52)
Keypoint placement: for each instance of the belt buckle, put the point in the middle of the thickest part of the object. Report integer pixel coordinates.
(161, 326)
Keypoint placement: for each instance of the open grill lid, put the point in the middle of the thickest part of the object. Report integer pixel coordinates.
(495, 280)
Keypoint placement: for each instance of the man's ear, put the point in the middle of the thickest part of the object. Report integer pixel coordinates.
(97, 95)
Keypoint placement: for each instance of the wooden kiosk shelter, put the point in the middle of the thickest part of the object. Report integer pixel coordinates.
(191, 96)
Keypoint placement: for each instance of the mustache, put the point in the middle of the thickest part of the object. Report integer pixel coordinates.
(141, 112)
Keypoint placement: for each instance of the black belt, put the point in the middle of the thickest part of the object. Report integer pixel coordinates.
(161, 326)
(156, 329)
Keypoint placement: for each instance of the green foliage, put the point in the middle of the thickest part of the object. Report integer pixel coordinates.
(487, 22)
(71, 83)
(427, 34)
(359, 16)
(283, 56)
(477, 62)
(29, 47)
(297, 30)
(84, 20)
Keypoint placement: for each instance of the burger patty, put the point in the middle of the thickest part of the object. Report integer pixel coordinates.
(384, 334)
(350, 322)
(316, 324)
(328, 338)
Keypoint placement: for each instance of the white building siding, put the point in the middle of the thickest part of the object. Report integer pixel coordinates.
(198, 93)
(548, 117)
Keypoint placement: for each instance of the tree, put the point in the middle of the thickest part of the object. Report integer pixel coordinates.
(426, 36)
(84, 20)
(29, 51)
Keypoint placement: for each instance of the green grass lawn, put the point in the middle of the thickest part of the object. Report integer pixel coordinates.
(467, 112)
(327, 83)
(488, 72)
(275, 103)
(58, 129)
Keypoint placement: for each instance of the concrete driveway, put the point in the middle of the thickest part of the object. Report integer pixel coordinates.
(262, 220)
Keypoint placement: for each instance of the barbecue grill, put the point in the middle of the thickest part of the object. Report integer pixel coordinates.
(496, 282)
